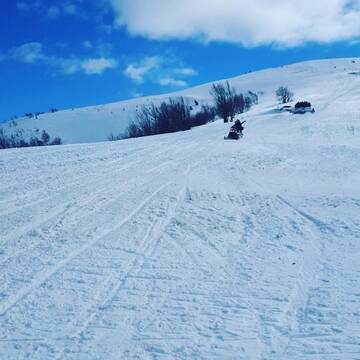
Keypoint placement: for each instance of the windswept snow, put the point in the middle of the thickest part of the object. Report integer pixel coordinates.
(185, 246)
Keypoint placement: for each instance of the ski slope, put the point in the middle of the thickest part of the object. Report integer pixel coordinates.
(185, 246)
(314, 80)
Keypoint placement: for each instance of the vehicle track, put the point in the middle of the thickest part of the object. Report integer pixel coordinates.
(104, 190)
(78, 182)
(149, 244)
(77, 213)
(13, 300)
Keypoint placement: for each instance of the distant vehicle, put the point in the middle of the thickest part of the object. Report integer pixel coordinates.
(303, 107)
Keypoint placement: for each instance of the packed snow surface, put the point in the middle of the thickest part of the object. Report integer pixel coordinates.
(186, 246)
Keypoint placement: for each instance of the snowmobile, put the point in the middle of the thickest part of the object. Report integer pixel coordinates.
(236, 131)
(234, 134)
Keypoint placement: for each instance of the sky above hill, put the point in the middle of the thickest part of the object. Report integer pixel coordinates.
(64, 54)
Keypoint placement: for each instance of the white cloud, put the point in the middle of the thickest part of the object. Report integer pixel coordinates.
(21, 6)
(138, 71)
(53, 12)
(186, 71)
(70, 9)
(87, 44)
(32, 53)
(66, 66)
(27, 6)
(164, 71)
(136, 94)
(168, 81)
(29, 53)
(90, 66)
(246, 22)
(98, 66)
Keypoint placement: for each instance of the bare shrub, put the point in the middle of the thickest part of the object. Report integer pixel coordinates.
(229, 103)
(284, 94)
(171, 116)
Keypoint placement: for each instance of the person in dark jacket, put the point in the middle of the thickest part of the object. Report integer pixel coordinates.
(239, 126)
(236, 130)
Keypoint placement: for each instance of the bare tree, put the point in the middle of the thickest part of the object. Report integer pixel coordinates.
(133, 130)
(284, 94)
(45, 137)
(4, 142)
(254, 97)
(57, 141)
(171, 116)
(223, 96)
(239, 103)
(145, 120)
(16, 139)
(228, 102)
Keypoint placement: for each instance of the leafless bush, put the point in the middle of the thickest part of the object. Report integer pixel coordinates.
(284, 94)
(171, 116)
(16, 140)
(229, 103)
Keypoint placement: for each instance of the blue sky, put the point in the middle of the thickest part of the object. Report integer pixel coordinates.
(64, 54)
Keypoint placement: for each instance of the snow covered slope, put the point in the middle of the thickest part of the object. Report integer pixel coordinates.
(185, 246)
(315, 80)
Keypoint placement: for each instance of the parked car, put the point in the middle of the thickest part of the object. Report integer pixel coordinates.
(303, 107)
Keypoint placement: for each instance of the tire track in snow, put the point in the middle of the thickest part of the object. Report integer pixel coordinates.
(77, 183)
(159, 229)
(320, 225)
(149, 244)
(204, 151)
(66, 208)
(4, 307)
(12, 301)
(288, 320)
(284, 328)
(328, 322)
(84, 173)
(78, 167)
(83, 166)
(58, 210)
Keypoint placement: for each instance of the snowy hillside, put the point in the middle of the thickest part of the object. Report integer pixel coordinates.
(186, 246)
(315, 80)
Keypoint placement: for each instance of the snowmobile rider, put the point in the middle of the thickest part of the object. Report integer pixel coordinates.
(236, 130)
(239, 126)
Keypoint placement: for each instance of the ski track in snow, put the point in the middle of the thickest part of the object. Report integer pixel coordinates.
(183, 246)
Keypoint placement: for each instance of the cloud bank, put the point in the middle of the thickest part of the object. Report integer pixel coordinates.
(284, 23)
(165, 71)
(137, 72)
(33, 53)
(168, 72)
(51, 11)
